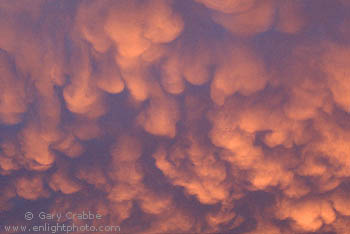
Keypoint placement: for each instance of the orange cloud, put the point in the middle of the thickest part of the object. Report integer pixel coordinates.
(197, 116)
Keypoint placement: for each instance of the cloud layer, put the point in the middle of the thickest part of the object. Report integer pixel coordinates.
(196, 116)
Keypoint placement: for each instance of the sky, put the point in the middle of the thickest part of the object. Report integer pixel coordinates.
(175, 116)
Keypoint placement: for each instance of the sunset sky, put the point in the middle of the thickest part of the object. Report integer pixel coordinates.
(176, 116)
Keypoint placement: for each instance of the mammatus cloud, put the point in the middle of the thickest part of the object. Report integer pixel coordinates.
(196, 116)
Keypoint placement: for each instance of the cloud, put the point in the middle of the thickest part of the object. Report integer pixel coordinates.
(256, 18)
(198, 116)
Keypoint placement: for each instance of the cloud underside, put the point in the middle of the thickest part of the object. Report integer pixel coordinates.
(194, 116)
